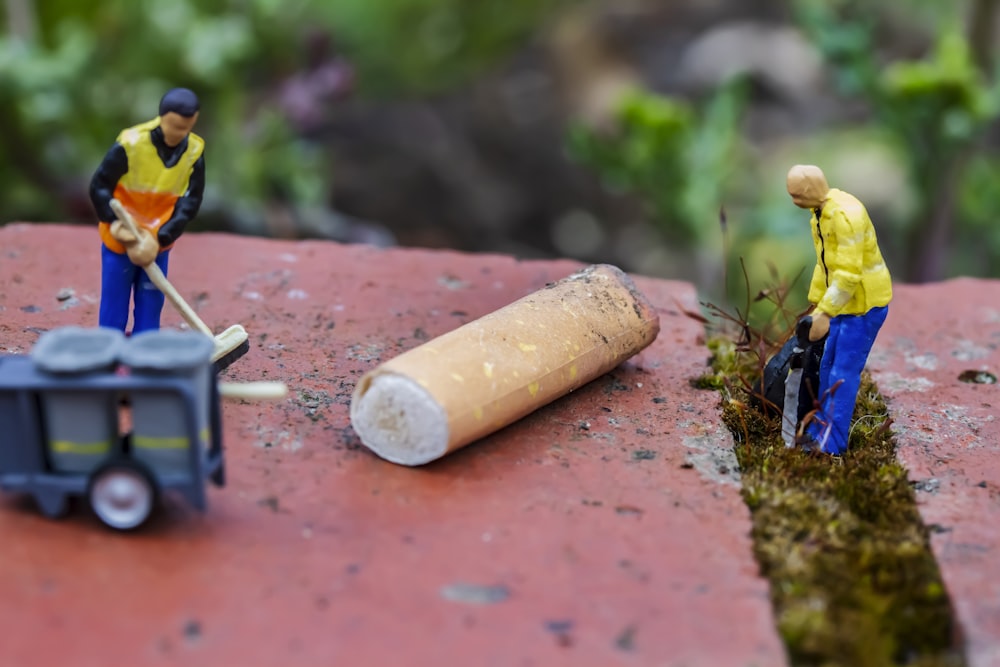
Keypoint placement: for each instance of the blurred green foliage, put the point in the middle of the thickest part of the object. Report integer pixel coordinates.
(72, 74)
(420, 46)
(933, 111)
(79, 72)
(677, 155)
(937, 108)
(689, 162)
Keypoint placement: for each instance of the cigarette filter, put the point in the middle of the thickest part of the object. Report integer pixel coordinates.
(470, 382)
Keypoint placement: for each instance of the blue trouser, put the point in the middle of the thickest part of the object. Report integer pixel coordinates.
(120, 278)
(844, 357)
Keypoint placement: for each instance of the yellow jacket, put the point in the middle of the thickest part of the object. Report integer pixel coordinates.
(850, 277)
(149, 189)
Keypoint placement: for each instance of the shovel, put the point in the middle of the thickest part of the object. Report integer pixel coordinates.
(230, 345)
(793, 383)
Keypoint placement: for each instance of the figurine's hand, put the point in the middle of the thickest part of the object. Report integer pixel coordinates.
(143, 250)
(820, 326)
(121, 233)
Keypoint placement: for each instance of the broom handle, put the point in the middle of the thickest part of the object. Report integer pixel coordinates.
(253, 391)
(160, 280)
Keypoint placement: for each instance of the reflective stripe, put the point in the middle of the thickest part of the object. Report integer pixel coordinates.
(176, 442)
(70, 447)
(836, 296)
(150, 442)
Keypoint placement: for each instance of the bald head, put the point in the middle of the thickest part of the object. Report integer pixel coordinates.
(807, 185)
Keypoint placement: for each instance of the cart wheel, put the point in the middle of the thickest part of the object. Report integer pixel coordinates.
(122, 495)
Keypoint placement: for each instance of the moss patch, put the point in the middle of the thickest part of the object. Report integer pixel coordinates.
(853, 579)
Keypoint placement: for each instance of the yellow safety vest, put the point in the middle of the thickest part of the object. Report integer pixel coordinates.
(148, 189)
(850, 277)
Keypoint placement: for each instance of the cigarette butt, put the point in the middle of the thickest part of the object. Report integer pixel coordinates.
(470, 382)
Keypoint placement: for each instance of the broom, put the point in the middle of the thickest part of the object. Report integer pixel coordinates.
(230, 345)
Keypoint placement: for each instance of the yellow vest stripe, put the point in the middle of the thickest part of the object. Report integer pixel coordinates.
(89, 448)
(178, 442)
(150, 442)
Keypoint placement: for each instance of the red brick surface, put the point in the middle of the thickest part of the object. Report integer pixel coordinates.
(949, 437)
(605, 529)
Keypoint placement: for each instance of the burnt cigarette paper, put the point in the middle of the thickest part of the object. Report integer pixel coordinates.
(470, 382)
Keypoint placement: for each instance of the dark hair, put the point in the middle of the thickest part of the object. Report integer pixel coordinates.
(180, 101)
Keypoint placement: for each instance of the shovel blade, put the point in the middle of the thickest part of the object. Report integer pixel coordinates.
(790, 411)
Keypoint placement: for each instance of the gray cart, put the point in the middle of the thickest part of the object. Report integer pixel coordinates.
(61, 411)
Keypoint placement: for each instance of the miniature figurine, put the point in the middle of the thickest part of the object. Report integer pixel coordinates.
(157, 171)
(850, 290)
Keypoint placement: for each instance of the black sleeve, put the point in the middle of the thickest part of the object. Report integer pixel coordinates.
(186, 207)
(102, 185)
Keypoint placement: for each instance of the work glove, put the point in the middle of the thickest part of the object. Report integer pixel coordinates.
(142, 250)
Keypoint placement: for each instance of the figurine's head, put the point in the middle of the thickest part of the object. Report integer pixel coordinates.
(178, 114)
(807, 186)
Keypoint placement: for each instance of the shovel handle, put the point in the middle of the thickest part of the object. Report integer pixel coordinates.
(802, 331)
(157, 278)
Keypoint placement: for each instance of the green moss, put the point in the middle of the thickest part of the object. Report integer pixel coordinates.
(853, 580)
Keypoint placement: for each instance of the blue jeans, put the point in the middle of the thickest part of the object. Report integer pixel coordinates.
(120, 279)
(847, 346)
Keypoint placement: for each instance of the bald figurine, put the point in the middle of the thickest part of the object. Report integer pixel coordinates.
(850, 290)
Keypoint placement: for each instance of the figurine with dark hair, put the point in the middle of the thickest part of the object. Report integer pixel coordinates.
(157, 171)
(850, 289)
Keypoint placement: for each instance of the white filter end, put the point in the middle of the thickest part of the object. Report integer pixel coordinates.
(399, 420)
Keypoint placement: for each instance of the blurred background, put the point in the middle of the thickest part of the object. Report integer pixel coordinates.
(651, 134)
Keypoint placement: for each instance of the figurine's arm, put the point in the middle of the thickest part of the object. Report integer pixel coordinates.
(186, 207)
(105, 179)
(845, 275)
